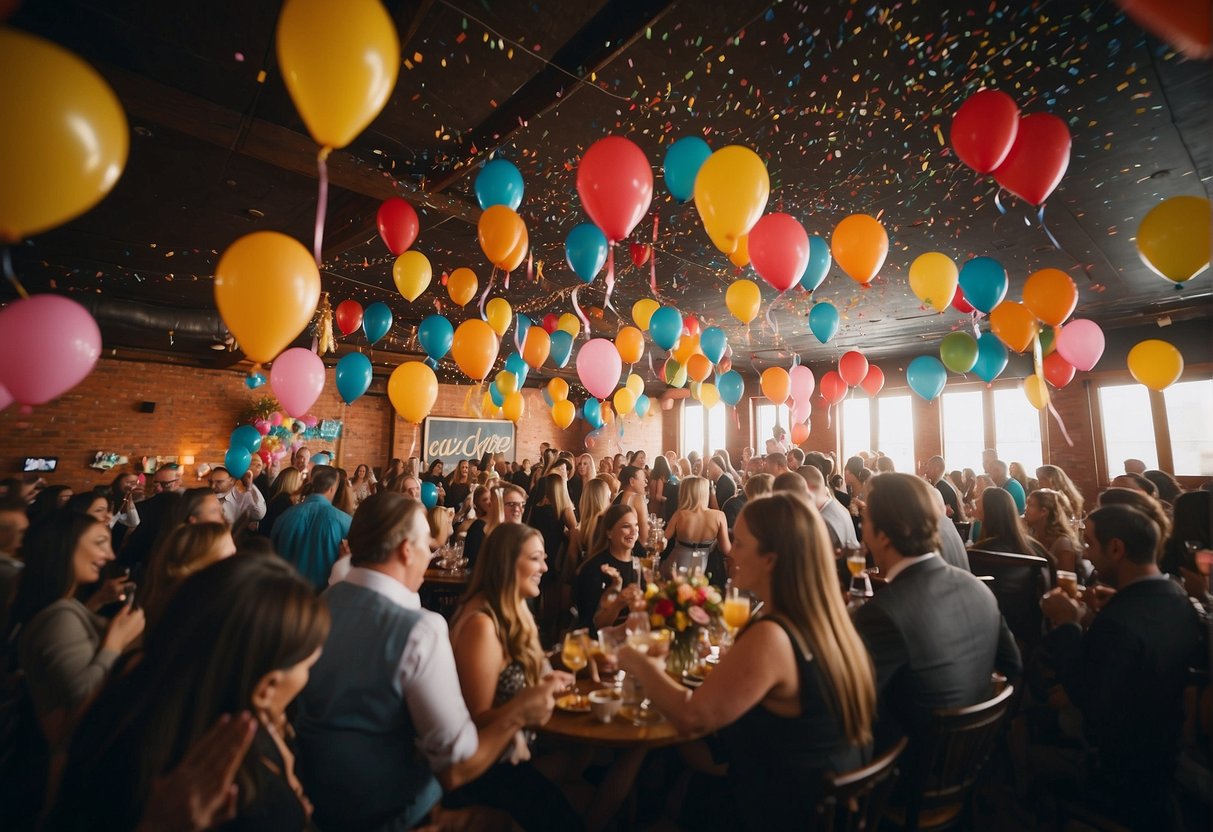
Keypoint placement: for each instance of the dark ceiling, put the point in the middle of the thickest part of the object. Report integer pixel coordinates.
(849, 105)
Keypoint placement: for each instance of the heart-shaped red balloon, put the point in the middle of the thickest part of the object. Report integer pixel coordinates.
(1038, 158)
(640, 253)
(984, 129)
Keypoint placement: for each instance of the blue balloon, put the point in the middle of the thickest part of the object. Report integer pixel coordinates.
(496, 395)
(593, 413)
(992, 357)
(823, 321)
(237, 460)
(927, 376)
(376, 321)
(682, 163)
(246, 436)
(561, 349)
(819, 264)
(713, 342)
(643, 403)
(666, 327)
(585, 249)
(984, 283)
(731, 386)
(429, 494)
(547, 397)
(499, 183)
(435, 335)
(353, 376)
(518, 367)
(254, 380)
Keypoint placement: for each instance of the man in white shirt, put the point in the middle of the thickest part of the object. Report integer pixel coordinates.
(234, 502)
(838, 519)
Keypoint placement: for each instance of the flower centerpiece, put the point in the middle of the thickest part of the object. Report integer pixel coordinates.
(685, 606)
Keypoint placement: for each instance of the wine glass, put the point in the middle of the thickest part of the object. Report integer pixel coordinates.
(610, 639)
(855, 561)
(573, 653)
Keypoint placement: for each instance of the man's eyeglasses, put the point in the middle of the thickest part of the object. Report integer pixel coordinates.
(515, 504)
(163, 484)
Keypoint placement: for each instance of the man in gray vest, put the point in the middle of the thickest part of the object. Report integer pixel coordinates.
(383, 728)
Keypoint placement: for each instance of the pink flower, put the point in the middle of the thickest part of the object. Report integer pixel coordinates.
(685, 593)
(701, 595)
(700, 617)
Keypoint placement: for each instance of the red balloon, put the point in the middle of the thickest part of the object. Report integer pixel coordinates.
(959, 303)
(1184, 24)
(1058, 371)
(615, 183)
(779, 250)
(550, 323)
(832, 388)
(690, 326)
(873, 382)
(640, 253)
(853, 368)
(348, 316)
(1038, 159)
(398, 225)
(984, 129)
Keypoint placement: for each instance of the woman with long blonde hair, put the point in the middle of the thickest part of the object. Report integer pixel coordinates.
(695, 529)
(796, 695)
(1051, 476)
(594, 501)
(1048, 517)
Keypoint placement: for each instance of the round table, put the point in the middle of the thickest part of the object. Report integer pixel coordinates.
(442, 590)
(620, 732)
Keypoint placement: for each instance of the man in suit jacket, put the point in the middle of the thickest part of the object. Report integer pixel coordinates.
(935, 632)
(1127, 673)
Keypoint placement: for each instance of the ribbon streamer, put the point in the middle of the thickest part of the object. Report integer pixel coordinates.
(1040, 218)
(485, 297)
(610, 278)
(998, 203)
(585, 322)
(322, 203)
(653, 259)
(6, 259)
(1060, 424)
(530, 266)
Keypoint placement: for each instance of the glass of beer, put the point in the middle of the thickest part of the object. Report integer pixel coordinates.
(736, 611)
(856, 562)
(1068, 581)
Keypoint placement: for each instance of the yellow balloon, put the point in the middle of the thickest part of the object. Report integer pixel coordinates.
(487, 409)
(65, 137)
(860, 245)
(1173, 238)
(608, 414)
(741, 255)
(642, 312)
(1156, 364)
(1037, 391)
(506, 382)
(569, 323)
(339, 62)
(474, 348)
(499, 231)
(636, 384)
(630, 343)
(462, 286)
(558, 390)
(933, 278)
(266, 287)
(498, 312)
(709, 396)
(731, 191)
(563, 413)
(624, 400)
(743, 299)
(413, 389)
(514, 406)
(412, 273)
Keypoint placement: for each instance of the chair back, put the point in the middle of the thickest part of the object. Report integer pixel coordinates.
(1019, 582)
(855, 800)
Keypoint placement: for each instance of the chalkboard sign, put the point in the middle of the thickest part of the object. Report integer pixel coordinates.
(454, 439)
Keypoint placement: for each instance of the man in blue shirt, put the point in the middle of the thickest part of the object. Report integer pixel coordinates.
(998, 472)
(310, 535)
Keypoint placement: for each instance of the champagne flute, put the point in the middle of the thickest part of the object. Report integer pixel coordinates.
(573, 653)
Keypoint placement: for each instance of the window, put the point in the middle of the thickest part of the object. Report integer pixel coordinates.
(692, 428)
(1189, 405)
(895, 431)
(855, 425)
(766, 416)
(716, 423)
(1017, 429)
(1128, 426)
(963, 422)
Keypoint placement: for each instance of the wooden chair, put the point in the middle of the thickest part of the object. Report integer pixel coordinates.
(944, 764)
(1019, 582)
(854, 801)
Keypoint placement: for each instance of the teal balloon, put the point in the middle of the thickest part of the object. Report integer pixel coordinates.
(823, 321)
(254, 380)
(682, 163)
(561, 349)
(496, 395)
(643, 403)
(429, 494)
(518, 367)
(237, 460)
(499, 183)
(547, 397)
(585, 249)
(958, 351)
(984, 283)
(992, 357)
(713, 342)
(731, 386)
(666, 327)
(376, 321)
(593, 413)
(246, 436)
(819, 264)
(926, 376)
(435, 335)
(353, 376)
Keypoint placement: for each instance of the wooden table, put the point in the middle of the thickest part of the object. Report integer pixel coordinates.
(620, 732)
(441, 590)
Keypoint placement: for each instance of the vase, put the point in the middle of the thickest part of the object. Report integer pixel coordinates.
(684, 653)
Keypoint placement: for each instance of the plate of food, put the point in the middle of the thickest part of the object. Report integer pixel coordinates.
(574, 703)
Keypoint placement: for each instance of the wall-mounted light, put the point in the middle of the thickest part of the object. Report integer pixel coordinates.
(187, 460)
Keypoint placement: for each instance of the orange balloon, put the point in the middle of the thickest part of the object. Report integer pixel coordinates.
(608, 414)
(563, 413)
(687, 346)
(536, 347)
(699, 367)
(860, 246)
(474, 348)
(499, 230)
(1014, 325)
(1051, 295)
(800, 433)
(519, 253)
(630, 343)
(462, 285)
(776, 384)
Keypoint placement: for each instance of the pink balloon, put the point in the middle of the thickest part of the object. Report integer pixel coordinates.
(599, 367)
(803, 383)
(615, 183)
(275, 419)
(297, 377)
(48, 345)
(779, 250)
(1081, 344)
(802, 409)
(6, 398)
(262, 426)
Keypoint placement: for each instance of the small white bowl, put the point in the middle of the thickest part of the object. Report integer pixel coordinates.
(605, 703)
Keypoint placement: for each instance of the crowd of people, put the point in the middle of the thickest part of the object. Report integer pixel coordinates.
(254, 653)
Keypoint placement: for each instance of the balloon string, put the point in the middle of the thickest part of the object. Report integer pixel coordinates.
(484, 297)
(530, 266)
(6, 258)
(322, 203)
(653, 258)
(518, 332)
(1060, 423)
(585, 322)
(771, 322)
(506, 282)
(610, 278)
(651, 370)
(1040, 217)
(998, 203)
